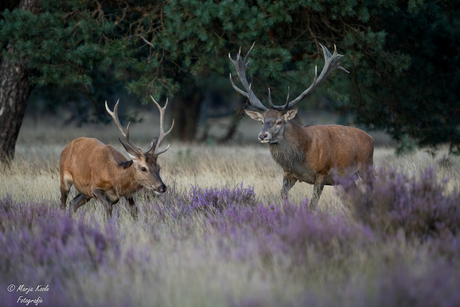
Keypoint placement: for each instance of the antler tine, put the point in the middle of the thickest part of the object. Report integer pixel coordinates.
(331, 63)
(287, 98)
(162, 133)
(270, 103)
(284, 106)
(238, 89)
(114, 116)
(240, 67)
(247, 54)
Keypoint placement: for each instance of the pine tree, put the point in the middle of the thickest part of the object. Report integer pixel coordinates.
(401, 55)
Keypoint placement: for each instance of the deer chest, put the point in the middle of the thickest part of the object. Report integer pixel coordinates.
(112, 196)
(293, 163)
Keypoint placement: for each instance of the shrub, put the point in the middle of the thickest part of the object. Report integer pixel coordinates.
(329, 237)
(418, 204)
(40, 235)
(432, 284)
(184, 204)
(290, 229)
(213, 199)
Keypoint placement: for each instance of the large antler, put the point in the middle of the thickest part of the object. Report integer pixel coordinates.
(114, 116)
(162, 133)
(240, 67)
(331, 63)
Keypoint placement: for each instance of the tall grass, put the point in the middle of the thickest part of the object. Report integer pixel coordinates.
(221, 236)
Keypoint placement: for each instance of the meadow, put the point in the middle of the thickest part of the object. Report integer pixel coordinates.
(221, 236)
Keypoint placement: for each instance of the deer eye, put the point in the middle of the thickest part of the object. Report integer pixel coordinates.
(279, 122)
(143, 169)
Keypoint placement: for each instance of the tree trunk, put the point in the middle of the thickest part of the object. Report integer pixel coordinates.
(14, 92)
(236, 120)
(185, 111)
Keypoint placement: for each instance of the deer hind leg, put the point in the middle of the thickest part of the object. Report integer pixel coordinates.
(101, 196)
(317, 190)
(367, 175)
(370, 171)
(65, 188)
(79, 201)
(288, 183)
(349, 183)
(132, 208)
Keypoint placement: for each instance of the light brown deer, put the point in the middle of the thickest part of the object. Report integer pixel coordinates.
(312, 154)
(100, 171)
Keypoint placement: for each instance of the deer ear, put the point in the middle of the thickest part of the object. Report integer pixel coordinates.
(290, 114)
(131, 152)
(254, 115)
(126, 164)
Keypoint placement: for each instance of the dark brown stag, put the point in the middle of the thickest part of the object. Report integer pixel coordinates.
(314, 154)
(100, 171)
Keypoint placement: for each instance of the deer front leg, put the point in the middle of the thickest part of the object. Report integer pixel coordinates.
(103, 199)
(132, 208)
(288, 183)
(317, 190)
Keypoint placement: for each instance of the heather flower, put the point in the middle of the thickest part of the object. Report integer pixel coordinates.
(417, 204)
(185, 204)
(290, 229)
(213, 199)
(37, 235)
(435, 284)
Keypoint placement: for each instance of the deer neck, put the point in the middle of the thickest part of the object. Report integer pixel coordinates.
(127, 183)
(288, 151)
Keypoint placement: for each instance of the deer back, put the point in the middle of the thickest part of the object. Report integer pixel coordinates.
(340, 147)
(311, 150)
(90, 165)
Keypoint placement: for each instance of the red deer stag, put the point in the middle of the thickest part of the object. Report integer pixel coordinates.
(100, 171)
(312, 154)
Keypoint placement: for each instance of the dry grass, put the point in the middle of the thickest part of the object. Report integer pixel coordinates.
(188, 268)
(35, 172)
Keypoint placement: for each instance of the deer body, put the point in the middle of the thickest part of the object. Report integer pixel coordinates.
(310, 151)
(90, 165)
(312, 154)
(100, 171)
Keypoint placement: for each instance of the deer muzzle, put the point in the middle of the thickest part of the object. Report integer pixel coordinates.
(160, 189)
(265, 137)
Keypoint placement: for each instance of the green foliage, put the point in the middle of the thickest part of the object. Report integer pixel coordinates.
(411, 86)
(64, 44)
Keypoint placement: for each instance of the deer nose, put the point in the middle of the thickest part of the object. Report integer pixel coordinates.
(263, 136)
(162, 188)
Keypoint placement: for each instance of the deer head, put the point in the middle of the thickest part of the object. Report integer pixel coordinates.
(275, 118)
(274, 123)
(145, 167)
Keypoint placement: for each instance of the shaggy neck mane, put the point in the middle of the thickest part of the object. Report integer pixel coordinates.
(288, 152)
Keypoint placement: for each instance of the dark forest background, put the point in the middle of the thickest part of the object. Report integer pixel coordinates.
(69, 56)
